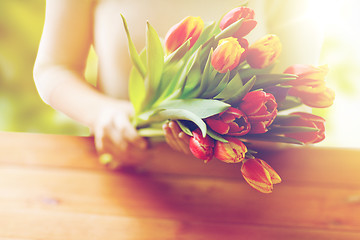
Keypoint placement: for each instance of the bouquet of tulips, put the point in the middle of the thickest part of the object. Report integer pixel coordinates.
(222, 92)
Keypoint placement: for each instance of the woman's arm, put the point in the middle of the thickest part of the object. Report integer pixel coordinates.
(59, 77)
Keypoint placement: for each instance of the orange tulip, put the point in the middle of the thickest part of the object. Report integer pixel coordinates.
(316, 96)
(189, 27)
(259, 175)
(306, 74)
(310, 85)
(226, 55)
(232, 151)
(264, 52)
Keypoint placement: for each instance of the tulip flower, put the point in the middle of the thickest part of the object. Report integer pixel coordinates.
(264, 52)
(308, 120)
(259, 175)
(314, 95)
(306, 73)
(190, 27)
(200, 147)
(310, 86)
(226, 55)
(232, 151)
(261, 110)
(236, 14)
(230, 122)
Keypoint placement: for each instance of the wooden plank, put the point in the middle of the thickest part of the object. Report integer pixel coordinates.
(48, 150)
(28, 224)
(332, 167)
(179, 197)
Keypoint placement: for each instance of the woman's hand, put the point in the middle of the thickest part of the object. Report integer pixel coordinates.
(177, 139)
(116, 138)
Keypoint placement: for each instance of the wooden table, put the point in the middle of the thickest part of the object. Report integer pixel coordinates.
(52, 187)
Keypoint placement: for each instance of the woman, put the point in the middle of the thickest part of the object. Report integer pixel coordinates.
(71, 27)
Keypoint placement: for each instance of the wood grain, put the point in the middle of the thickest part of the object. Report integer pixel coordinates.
(52, 187)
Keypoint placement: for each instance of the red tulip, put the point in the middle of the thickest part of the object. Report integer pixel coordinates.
(308, 120)
(259, 175)
(236, 14)
(261, 110)
(226, 55)
(264, 52)
(231, 122)
(232, 151)
(190, 27)
(200, 147)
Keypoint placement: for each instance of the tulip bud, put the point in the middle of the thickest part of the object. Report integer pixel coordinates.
(230, 122)
(190, 27)
(261, 110)
(200, 147)
(232, 151)
(236, 14)
(307, 120)
(227, 55)
(259, 175)
(264, 52)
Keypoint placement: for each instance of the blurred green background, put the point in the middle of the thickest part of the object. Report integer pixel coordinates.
(22, 110)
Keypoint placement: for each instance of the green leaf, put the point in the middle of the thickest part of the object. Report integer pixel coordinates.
(203, 108)
(291, 129)
(267, 80)
(284, 119)
(178, 53)
(181, 82)
(179, 114)
(230, 90)
(246, 72)
(193, 81)
(227, 32)
(150, 132)
(206, 34)
(155, 61)
(240, 94)
(137, 87)
(219, 87)
(230, 30)
(289, 102)
(266, 137)
(184, 128)
(135, 58)
(216, 136)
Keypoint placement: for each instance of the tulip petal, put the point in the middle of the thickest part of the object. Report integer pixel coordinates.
(257, 176)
